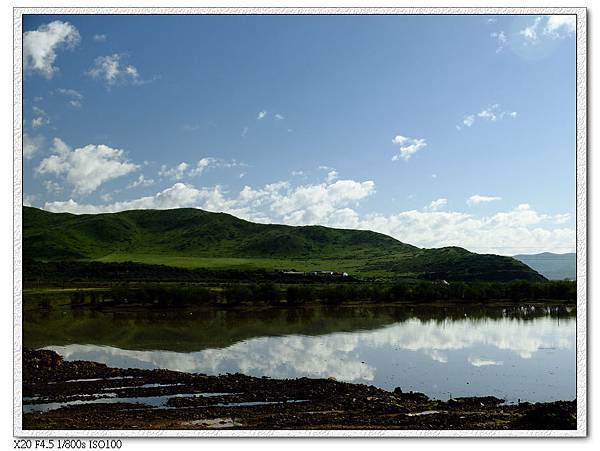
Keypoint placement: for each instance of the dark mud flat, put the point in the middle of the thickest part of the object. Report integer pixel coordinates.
(87, 395)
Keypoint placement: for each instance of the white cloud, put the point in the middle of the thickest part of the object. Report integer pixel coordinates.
(519, 230)
(86, 168)
(477, 199)
(141, 181)
(261, 115)
(297, 173)
(332, 176)
(492, 113)
(311, 204)
(29, 199)
(501, 40)
(41, 118)
(177, 172)
(112, 71)
(74, 97)
(39, 121)
(469, 120)
(52, 186)
(438, 204)
(184, 169)
(100, 37)
(244, 131)
(555, 27)
(31, 145)
(560, 26)
(40, 46)
(408, 146)
(530, 33)
(203, 164)
(279, 117)
(179, 195)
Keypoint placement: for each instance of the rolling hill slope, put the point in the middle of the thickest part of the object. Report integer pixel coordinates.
(196, 238)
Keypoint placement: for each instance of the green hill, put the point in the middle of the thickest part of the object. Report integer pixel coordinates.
(195, 238)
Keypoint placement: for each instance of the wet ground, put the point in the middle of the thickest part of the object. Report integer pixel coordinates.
(58, 394)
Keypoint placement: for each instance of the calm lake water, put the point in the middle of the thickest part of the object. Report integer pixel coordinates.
(525, 353)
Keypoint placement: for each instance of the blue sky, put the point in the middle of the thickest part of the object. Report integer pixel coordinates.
(437, 130)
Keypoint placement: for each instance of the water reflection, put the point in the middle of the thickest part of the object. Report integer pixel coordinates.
(512, 353)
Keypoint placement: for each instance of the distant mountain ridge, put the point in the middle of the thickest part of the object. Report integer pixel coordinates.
(552, 266)
(197, 238)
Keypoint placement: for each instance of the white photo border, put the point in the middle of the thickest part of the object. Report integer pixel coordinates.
(581, 213)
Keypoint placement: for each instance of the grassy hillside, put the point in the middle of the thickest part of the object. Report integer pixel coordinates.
(195, 238)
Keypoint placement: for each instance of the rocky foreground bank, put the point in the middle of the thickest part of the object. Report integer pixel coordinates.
(86, 395)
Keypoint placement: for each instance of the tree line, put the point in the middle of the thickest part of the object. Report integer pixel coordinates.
(166, 295)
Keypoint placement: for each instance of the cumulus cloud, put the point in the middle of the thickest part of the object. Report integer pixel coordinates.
(279, 117)
(332, 176)
(141, 181)
(530, 33)
(560, 26)
(408, 146)
(112, 71)
(176, 172)
(41, 117)
(73, 97)
(335, 204)
(261, 115)
(86, 168)
(40, 46)
(275, 202)
(203, 164)
(178, 196)
(477, 199)
(438, 204)
(185, 169)
(492, 113)
(52, 186)
(553, 27)
(31, 145)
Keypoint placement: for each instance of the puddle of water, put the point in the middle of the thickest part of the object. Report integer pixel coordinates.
(99, 379)
(517, 352)
(257, 403)
(425, 412)
(141, 386)
(111, 398)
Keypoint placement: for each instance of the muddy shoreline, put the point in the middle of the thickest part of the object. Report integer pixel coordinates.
(83, 395)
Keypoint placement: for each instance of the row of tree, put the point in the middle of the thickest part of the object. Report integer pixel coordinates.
(237, 293)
